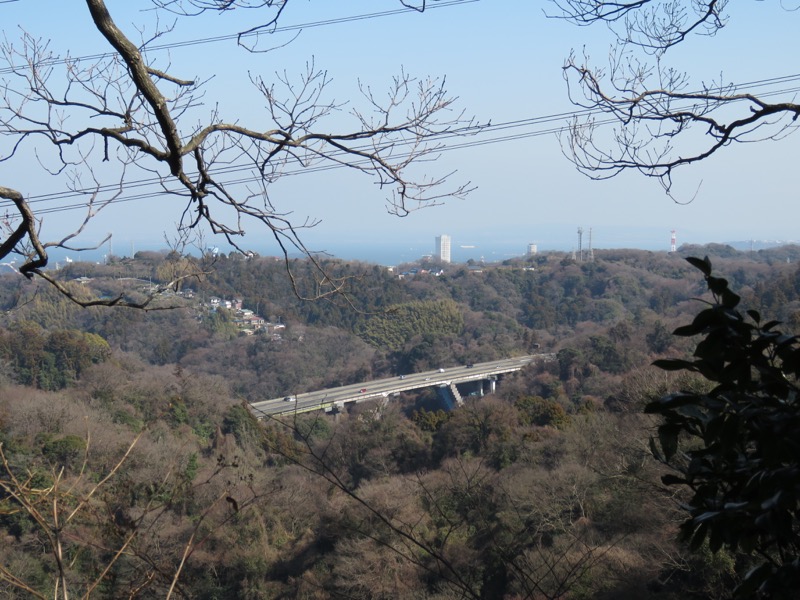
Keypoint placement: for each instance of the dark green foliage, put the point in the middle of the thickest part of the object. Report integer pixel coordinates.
(737, 447)
(609, 356)
(425, 352)
(53, 360)
(392, 329)
(220, 323)
(535, 410)
(659, 339)
(569, 360)
(430, 420)
(64, 451)
(263, 284)
(312, 427)
(242, 424)
(191, 467)
(178, 411)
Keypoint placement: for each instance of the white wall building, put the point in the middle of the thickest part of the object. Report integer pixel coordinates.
(443, 248)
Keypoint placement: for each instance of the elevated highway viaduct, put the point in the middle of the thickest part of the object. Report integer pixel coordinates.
(451, 378)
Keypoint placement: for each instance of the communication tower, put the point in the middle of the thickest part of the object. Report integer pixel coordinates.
(591, 249)
(673, 242)
(580, 244)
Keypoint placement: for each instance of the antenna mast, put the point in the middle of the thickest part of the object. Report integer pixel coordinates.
(673, 242)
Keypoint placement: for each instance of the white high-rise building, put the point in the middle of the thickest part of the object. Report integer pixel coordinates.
(532, 249)
(443, 248)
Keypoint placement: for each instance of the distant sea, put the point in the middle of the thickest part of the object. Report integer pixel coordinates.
(386, 254)
(395, 253)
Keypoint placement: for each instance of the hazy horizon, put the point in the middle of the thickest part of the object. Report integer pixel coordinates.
(394, 252)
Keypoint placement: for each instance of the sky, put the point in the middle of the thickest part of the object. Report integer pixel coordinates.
(502, 59)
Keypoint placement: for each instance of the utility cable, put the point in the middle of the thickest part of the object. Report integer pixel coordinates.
(238, 36)
(480, 133)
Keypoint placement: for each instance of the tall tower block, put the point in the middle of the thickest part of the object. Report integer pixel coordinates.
(443, 248)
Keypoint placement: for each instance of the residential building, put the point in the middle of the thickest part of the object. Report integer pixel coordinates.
(443, 248)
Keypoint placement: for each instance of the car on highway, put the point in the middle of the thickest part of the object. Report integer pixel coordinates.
(288, 399)
(362, 390)
(402, 376)
(441, 370)
(468, 366)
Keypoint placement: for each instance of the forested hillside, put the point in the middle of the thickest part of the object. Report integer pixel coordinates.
(546, 489)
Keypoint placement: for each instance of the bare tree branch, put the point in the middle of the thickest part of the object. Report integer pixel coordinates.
(126, 111)
(654, 25)
(645, 117)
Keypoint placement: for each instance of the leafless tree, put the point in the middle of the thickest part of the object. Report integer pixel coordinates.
(93, 125)
(76, 512)
(640, 114)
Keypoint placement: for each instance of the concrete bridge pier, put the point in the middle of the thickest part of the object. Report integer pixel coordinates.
(456, 394)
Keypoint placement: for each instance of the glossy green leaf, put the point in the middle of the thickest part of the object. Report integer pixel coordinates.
(700, 263)
(668, 438)
(670, 479)
(672, 364)
(655, 451)
(699, 537)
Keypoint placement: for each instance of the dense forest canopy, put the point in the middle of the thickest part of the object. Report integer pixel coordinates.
(543, 490)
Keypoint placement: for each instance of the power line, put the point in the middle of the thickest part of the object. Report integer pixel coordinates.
(252, 34)
(144, 183)
(510, 125)
(515, 124)
(538, 123)
(458, 133)
(243, 180)
(302, 171)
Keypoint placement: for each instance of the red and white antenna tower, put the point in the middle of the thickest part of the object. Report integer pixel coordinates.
(673, 242)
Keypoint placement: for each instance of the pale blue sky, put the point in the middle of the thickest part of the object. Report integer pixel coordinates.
(503, 59)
